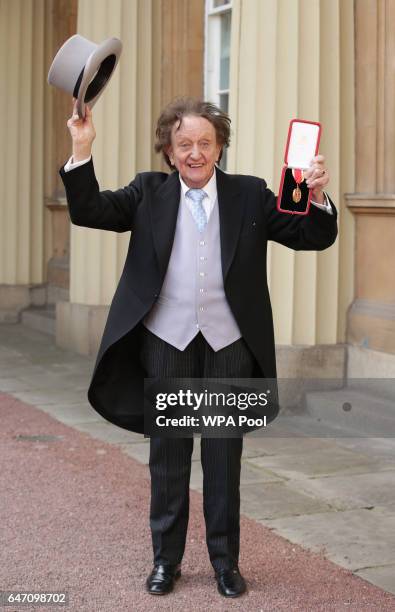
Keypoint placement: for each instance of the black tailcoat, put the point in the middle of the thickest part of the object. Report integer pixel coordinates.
(148, 207)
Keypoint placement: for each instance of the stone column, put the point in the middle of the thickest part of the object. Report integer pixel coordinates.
(60, 24)
(371, 317)
(21, 167)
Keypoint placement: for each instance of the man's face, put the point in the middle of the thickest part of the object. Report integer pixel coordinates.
(194, 150)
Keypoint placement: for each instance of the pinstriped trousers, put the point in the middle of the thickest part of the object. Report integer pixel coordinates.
(170, 458)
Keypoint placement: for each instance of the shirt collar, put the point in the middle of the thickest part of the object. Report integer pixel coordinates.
(210, 188)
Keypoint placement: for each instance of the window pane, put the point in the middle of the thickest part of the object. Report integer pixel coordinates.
(224, 160)
(224, 102)
(217, 3)
(225, 51)
(224, 105)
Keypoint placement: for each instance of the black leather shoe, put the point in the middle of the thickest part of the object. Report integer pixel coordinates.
(230, 582)
(161, 579)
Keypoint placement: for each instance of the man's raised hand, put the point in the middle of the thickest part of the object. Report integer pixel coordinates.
(317, 178)
(82, 132)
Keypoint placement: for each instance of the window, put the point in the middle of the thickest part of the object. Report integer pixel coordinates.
(217, 55)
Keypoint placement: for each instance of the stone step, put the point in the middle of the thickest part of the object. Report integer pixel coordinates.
(41, 318)
(352, 412)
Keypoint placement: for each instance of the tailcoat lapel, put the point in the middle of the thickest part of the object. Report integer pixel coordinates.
(231, 209)
(164, 208)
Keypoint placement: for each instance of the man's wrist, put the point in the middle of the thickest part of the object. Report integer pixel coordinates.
(79, 154)
(318, 196)
(326, 205)
(71, 165)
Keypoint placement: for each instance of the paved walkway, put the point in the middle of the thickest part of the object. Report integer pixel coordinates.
(318, 530)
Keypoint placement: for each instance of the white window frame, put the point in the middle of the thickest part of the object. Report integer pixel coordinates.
(212, 51)
(212, 54)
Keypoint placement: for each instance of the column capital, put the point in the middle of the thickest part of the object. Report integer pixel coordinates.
(371, 203)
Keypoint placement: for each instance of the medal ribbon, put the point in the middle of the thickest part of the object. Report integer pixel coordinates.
(298, 175)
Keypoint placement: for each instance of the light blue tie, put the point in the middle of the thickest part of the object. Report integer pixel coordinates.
(198, 213)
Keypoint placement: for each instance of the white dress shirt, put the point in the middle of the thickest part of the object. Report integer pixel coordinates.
(208, 202)
(210, 188)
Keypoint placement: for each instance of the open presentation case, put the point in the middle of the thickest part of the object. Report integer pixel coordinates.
(302, 145)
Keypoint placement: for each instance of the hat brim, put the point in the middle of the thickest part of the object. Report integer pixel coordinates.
(97, 72)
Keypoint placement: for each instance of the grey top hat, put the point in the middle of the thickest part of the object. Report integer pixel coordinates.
(83, 69)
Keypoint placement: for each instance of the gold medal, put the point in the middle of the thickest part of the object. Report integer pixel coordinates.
(296, 195)
(299, 178)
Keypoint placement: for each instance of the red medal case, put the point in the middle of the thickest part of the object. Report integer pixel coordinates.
(302, 145)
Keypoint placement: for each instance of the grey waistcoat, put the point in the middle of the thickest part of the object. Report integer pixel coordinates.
(192, 297)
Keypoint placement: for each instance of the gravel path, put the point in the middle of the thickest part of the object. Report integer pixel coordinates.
(74, 517)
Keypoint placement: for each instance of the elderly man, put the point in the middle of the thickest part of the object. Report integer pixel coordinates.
(192, 301)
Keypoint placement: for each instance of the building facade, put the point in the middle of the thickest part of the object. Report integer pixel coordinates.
(265, 62)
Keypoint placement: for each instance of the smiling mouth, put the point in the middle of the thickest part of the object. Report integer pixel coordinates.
(195, 165)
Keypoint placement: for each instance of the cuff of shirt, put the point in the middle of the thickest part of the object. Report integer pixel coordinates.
(70, 165)
(326, 206)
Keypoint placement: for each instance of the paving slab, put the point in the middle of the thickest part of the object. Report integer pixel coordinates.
(291, 444)
(107, 432)
(375, 448)
(306, 425)
(61, 381)
(51, 396)
(196, 481)
(348, 492)
(14, 361)
(354, 539)
(12, 370)
(383, 576)
(196, 453)
(10, 385)
(73, 414)
(70, 366)
(367, 412)
(274, 499)
(322, 462)
(251, 474)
